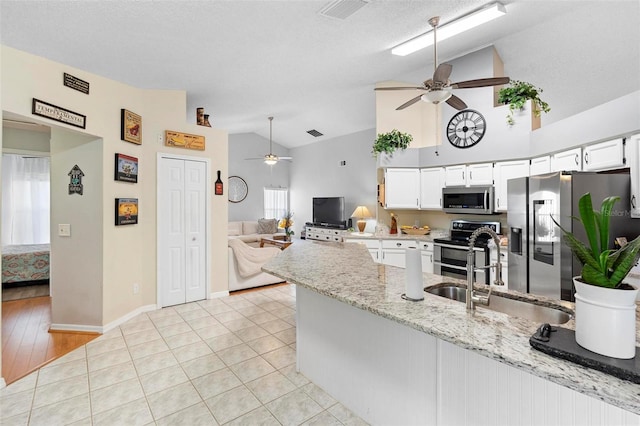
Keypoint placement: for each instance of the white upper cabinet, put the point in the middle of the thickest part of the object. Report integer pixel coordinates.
(455, 175)
(402, 188)
(474, 174)
(504, 171)
(604, 155)
(567, 160)
(480, 174)
(431, 183)
(540, 165)
(633, 160)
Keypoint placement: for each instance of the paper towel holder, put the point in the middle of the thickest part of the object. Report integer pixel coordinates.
(405, 297)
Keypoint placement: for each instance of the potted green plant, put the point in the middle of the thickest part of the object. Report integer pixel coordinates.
(605, 305)
(516, 96)
(389, 142)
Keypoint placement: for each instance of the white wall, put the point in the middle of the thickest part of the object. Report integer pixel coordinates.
(316, 172)
(25, 140)
(128, 253)
(257, 174)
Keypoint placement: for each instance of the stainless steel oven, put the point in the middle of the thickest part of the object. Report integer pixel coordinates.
(450, 254)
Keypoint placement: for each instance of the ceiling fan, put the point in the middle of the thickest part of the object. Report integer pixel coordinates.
(270, 158)
(438, 88)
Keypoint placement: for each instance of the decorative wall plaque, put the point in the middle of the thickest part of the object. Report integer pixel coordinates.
(130, 127)
(75, 83)
(126, 211)
(75, 180)
(183, 140)
(57, 113)
(126, 168)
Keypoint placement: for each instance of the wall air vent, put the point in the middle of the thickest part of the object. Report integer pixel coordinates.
(342, 9)
(314, 133)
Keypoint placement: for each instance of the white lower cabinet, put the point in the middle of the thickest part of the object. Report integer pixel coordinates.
(372, 245)
(393, 252)
(426, 250)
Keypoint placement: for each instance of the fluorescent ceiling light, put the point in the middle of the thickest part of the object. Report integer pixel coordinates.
(451, 29)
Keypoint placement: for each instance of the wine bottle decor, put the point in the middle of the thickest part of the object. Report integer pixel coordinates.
(218, 185)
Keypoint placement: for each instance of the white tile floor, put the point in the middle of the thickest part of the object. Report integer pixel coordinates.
(221, 361)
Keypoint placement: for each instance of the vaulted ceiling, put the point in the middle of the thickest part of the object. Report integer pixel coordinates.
(246, 60)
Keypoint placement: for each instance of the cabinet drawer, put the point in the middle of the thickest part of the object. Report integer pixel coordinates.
(426, 246)
(399, 244)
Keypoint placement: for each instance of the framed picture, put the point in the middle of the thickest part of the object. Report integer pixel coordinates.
(184, 140)
(126, 169)
(130, 127)
(53, 112)
(126, 211)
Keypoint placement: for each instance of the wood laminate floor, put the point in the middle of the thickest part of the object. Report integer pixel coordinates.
(26, 341)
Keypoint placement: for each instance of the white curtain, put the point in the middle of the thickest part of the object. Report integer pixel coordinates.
(25, 199)
(276, 202)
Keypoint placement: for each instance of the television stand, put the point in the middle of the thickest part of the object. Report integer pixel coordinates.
(325, 233)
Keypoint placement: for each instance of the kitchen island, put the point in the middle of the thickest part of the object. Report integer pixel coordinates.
(393, 361)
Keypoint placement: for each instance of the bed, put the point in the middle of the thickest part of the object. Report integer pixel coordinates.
(23, 263)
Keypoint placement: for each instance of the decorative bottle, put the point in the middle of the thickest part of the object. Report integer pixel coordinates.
(218, 185)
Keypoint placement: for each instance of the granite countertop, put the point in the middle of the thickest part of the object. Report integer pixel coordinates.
(346, 272)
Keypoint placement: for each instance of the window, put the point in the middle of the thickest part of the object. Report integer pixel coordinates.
(25, 199)
(276, 202)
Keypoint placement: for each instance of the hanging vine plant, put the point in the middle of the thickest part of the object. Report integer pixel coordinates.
(391, 141)
(516, 96)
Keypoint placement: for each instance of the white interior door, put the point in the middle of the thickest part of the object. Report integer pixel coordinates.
(181, 231)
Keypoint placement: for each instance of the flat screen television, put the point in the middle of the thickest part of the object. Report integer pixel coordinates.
(328, 211)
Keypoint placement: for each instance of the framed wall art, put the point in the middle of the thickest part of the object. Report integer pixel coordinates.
(184, 140)
(130, 127)
(53, 112)
(126, 168)
(126, 211)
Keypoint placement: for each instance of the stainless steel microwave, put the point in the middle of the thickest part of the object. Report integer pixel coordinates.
(472, 199)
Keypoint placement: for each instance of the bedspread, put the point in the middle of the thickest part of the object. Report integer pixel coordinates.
(27, 262)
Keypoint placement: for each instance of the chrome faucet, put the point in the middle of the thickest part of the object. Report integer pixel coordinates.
(472, 298)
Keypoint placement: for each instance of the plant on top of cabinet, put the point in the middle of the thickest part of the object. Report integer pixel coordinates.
(389, 142)
(516, 96)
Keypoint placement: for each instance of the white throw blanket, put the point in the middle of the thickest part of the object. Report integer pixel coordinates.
(251, 259)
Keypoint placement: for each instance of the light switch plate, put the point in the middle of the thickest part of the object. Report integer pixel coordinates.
(64, 230)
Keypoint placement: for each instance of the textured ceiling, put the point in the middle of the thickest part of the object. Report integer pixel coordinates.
(246, 60)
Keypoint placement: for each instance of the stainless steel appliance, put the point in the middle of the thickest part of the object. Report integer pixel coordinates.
(539, 262)
(473, 199)
(450, 254)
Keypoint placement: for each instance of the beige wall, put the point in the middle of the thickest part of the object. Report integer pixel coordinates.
(128, 253)
(25, 140)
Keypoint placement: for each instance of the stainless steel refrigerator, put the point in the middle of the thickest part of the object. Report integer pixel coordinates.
(539, 262)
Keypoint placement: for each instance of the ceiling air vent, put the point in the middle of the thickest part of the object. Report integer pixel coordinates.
(314, 133)
(342, 9)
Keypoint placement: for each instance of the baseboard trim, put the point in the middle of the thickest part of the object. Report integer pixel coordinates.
(93, 329)
(115, 323)
(218, 294)
(76, 328)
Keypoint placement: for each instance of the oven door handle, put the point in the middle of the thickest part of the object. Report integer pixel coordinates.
(486, 200)
(448, 265)
(456, 247)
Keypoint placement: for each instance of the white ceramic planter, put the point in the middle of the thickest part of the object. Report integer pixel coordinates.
(606, 320)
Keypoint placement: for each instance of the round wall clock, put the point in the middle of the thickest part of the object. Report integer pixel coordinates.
(466, 128)
(238, 189)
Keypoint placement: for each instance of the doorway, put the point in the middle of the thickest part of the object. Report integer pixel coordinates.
(183, 229)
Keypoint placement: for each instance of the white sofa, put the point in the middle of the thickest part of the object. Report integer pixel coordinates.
(247, 231)
(237, 282)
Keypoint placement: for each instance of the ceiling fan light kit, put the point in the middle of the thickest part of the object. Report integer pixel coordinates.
(270, 159)
(437, 96)
(460, 25)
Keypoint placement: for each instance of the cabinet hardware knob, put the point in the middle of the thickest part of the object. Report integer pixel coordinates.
(633, 201)
(586, 158)
(576, 158)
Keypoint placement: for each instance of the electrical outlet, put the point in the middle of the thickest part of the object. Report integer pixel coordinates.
(136, 288)
(64, 230)
(160, 139)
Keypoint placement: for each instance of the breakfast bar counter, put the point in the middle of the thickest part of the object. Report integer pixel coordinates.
(395, 361)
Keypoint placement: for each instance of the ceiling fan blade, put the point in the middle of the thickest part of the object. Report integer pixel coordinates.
(456, 102)
(481, 82)
(401, 88)
(255, 158)
(442, 73)
(285, 158)
(409, 103)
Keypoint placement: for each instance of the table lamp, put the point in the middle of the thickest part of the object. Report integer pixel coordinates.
(361, 212)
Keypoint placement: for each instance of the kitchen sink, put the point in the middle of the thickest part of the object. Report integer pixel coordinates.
(506, 305)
